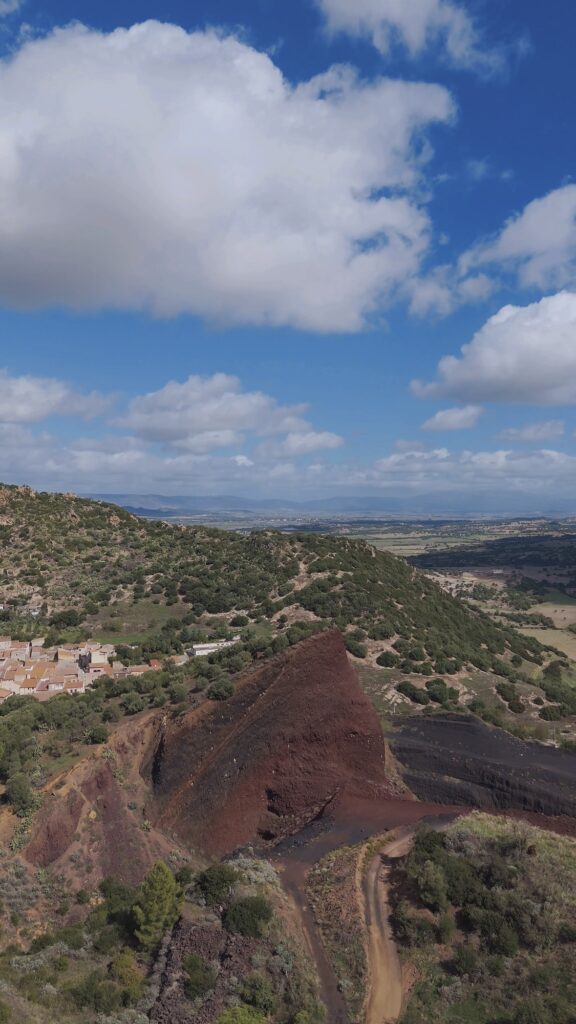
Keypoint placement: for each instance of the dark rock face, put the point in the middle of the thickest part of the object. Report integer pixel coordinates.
(297, 733)
(460, 760)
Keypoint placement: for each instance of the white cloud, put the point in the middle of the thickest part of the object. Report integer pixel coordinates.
(478, 170)
(9, 7)
(30, 399)
(416, 24)
(539, 244)
(405, 445)
(202, 413)
(179, 172)
(534, 433)
(302, 442)
(545, 473)
(443, 290)
(522, 354)
(463, 418)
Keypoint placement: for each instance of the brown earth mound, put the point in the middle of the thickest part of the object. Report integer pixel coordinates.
(298, 734)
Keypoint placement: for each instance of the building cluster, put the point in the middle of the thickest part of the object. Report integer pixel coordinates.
(29, 669)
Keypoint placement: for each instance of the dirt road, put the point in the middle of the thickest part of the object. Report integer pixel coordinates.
(385, 991)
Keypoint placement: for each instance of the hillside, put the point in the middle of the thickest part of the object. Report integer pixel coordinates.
(485, 916)
(72, 567)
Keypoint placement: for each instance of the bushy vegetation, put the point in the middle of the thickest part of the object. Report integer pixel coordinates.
(200, 976)
(216, 884)
(485, 902)
(248, 916)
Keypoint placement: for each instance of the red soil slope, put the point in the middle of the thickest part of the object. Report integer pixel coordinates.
(86, 828)
(297, 734)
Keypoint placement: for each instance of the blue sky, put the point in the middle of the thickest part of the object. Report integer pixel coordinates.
(242, 246)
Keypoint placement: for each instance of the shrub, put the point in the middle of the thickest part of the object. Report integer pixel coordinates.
(388, 660)
(446, 928)
(184, 875)
(98, 734)
(241, 1015)
(97, 992)
(5, 1013)
(216, 883)
(438, 691)
(200, 977)
(432, 886)
(239, 620)
(248, 916)
(552, 713)
(125, 971)
(258, 992)
(413, 693)
(222, 689)
(354, 647)
(532, 1011)
(465, 960)
(20, 794)
(504, 941)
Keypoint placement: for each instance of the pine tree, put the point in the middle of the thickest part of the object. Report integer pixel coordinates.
(157, 906)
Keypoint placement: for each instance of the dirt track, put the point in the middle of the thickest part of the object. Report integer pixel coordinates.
(385, 991)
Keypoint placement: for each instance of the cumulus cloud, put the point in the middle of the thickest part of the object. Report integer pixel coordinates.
(444, 289)
(30, 399)
(201, 413)
(178, 172)
(534, 433)
(463, 418)
(205, 433)
(416, 24)
(302, 442)
(541, 472)
(539, 244)
(522, 354)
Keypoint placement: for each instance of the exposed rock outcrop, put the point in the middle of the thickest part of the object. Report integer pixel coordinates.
(297, 734)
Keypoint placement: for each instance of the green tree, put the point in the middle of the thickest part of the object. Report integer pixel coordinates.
(157, 906)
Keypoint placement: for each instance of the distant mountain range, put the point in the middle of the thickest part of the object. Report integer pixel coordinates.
(420, 505)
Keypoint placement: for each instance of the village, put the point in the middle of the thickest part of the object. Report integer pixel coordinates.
(29, 669)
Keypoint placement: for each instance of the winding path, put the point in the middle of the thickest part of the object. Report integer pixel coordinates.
(385, 987)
